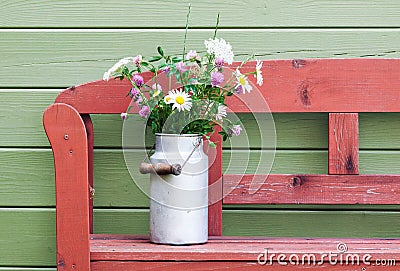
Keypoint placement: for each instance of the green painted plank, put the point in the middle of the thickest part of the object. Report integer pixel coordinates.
(267, 13)
(311, 223)
(28, 235)
(57, 59)
(27, 175)
(21, 117)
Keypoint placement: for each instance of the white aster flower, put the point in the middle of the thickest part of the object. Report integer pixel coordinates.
(221, 112)
(157, 89)
(242, 82)
(220, 48)
(179, 99)
(258, 74)
(114, 68)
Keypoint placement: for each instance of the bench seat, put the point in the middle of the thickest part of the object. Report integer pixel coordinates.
(132, 252)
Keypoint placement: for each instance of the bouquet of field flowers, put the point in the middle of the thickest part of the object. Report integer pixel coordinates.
(186, 94)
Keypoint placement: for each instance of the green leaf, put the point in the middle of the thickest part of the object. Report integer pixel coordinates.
(160, 51)
(212, 144)
(177, 59)
(154, 58)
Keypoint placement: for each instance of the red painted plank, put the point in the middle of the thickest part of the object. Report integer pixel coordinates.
(67, 135)
(215, 185)
(90, 138)
(231, 266)
(310, 85)
(312, 189)
(225, 249)
(343, 143)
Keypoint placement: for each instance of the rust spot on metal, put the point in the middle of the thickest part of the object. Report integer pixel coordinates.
(298, 63)
(350, 163)
(304, 93)
(296, 181)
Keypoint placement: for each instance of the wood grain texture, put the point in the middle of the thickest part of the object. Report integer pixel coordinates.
(222, 266)
(315, 13)
(27, 175)
(90, 141)
(73, 57)
(315, 85)
(215, 190)
(28, 234)
(311, 189)
(343, 143)
(235, 249)
(22, 126)
(67, 134)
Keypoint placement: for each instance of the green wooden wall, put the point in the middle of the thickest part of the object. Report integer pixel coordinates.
(46, 46)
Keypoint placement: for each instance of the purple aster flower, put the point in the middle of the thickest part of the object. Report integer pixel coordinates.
(134, 92)
(216, 78)
(138, 80)
(180, 66)
(238, 90)
(219, 62)
(236, 130)
(144, 111)
(124, 116)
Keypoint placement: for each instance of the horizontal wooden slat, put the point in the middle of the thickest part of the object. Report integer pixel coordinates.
(28, 234)
(73, 57)
(222, 266)
(87, 13)
(311, 189)
(298, 131)
(312, 85)
(27, 175)
(241, 249)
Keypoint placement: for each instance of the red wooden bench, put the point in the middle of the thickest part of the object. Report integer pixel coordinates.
(340, 87)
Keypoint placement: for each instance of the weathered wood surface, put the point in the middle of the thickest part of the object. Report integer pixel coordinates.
(294, 131)
(67, 134)
(71, 57)
(38, 236)
(315, 13)
(311, 189)
(343, 143)
(222, 266)
(33, 168)
(128, 248)
(313, 85)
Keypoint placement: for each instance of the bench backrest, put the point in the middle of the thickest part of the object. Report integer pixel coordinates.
(340, 87)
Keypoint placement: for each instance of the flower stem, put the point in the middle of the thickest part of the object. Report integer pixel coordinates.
(186, 30)
(216, 27)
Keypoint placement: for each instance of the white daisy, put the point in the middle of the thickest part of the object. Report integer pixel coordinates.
(157, 89)
(221, 112)
(114, 68)
(242, 82)
(180, 99)
(220, 49)
(258, 74)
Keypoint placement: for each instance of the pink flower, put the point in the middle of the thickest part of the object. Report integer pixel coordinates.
(219, 62)
(138, 80)
(137, 60)
(216, 78)
(144, 111)
(192, 55)
(124, 116)
(134, 92)
(181, 67)
(236, 129)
